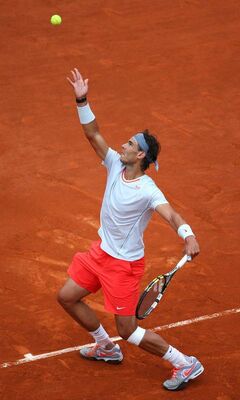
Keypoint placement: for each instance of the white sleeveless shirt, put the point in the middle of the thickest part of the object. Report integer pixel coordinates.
(126, 210)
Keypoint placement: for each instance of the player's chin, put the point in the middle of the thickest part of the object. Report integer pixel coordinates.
(122, 159)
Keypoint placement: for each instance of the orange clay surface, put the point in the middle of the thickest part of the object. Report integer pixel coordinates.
(171, 66)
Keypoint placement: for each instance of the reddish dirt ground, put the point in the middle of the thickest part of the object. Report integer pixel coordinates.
(171, 66)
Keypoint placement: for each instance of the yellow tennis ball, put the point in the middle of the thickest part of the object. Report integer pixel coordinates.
(56, 20)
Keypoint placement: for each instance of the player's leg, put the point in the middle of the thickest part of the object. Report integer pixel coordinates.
(105, 349)
(185, 367)
(84, 275)
(83, 281)
(148, 340)
(70, 298)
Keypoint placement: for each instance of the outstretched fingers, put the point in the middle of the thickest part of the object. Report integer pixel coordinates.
(70, 81)
(78, 75)
(79, 85)
(74, 75)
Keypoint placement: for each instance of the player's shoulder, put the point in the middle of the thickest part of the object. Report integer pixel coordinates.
(154, 193)
(111, 156)
(149, 182)
(150, 186)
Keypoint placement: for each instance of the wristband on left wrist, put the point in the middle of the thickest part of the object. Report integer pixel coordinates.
(81, 100)
(85, 114)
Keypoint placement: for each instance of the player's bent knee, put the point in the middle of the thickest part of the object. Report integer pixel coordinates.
(125, 330)
(60, 297)
(124, 333)
(63, 299)
(137, 336)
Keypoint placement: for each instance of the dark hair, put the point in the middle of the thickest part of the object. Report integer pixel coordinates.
(153, 152)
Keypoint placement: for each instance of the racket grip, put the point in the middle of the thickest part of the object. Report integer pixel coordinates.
(184, 260)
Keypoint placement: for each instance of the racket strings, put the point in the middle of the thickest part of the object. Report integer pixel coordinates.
(157, 288)
(150, 297)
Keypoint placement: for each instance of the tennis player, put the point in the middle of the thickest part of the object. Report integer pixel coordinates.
(115, 262)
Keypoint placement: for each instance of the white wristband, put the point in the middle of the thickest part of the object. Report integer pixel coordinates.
(184, 231)
(85, 114)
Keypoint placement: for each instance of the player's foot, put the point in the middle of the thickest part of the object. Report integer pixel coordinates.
(182, 375)
(98, 353)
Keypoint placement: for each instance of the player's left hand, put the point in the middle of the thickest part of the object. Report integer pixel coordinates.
(79, 84)
(191, 246)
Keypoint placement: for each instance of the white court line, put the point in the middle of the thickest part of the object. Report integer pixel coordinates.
(30, 357)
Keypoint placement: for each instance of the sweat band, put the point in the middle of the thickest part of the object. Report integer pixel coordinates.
(85, 114)
(139, 137)
(81, 100)
(184, 231)
(137, 336)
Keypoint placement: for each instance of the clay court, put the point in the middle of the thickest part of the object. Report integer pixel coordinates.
(170, 66)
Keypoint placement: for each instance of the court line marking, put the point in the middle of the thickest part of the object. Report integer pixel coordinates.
(30, 357)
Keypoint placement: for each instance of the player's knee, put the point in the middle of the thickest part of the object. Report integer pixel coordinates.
(125, 331)
(63, 298)
(128, 330)
(60, 297)
(126, 327)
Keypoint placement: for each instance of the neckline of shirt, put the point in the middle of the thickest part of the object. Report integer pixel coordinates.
(130, 180)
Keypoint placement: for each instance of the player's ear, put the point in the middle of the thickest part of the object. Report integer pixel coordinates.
(141, 155)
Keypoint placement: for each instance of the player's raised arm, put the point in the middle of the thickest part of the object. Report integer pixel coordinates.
(86, 116)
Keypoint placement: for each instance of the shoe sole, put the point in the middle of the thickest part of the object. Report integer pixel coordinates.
(114, 362)
(184, 383)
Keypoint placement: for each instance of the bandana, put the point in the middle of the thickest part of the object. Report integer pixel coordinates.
(144, 146)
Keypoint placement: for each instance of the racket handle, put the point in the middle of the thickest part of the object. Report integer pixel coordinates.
(183, 261)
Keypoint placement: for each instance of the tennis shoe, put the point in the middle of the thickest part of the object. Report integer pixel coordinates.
(182, 375)
(98, 353)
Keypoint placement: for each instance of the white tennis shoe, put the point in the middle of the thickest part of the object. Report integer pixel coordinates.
(98, 353)
(182, 375)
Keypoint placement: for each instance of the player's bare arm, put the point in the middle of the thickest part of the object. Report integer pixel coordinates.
(175, 220)
(91, 129)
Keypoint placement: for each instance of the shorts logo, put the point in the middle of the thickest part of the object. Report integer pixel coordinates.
(120, 308)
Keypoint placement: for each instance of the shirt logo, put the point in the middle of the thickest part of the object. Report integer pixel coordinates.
(137, 187)
(120, 308)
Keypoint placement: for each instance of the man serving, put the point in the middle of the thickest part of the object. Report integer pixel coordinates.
(115, 263)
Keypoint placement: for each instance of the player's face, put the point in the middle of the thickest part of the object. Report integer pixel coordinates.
(130, 152)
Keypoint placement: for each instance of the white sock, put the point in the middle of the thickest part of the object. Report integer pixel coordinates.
(176, 358)
(101, 337)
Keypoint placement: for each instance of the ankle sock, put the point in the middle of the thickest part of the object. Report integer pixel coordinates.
(176, 358)
(101, 336)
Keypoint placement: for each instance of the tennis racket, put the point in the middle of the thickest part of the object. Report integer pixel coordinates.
(155, 290)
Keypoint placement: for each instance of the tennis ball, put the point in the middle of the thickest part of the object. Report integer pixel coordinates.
(56, 20)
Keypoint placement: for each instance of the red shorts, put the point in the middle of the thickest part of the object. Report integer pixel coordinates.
(118, 279)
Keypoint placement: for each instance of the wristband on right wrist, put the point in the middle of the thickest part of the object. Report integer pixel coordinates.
(184, 231)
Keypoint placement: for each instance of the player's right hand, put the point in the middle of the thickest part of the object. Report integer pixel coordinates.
(191, 246)
(79, 85)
